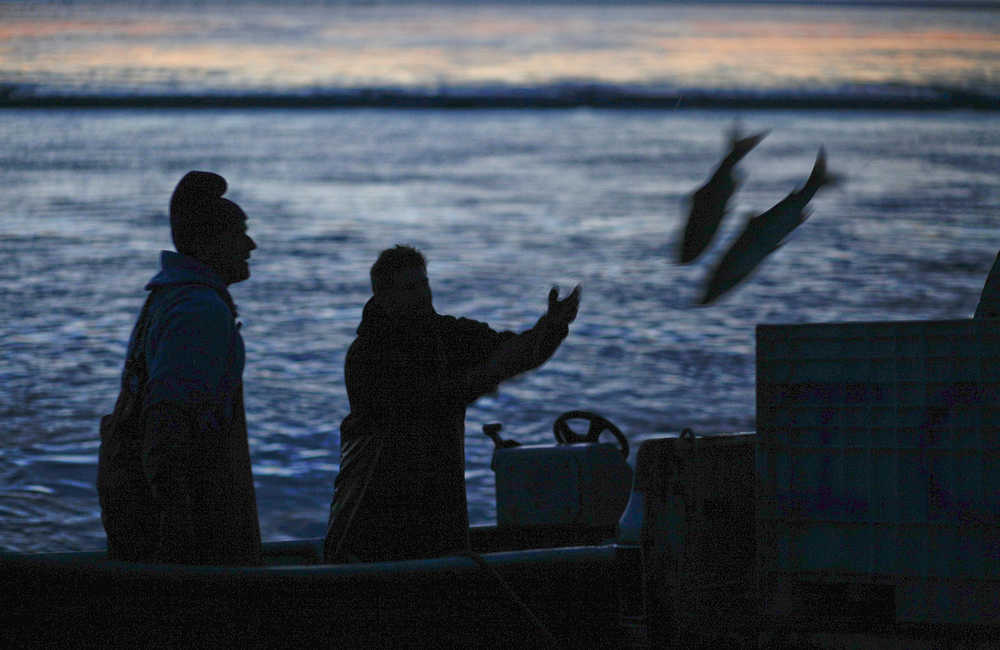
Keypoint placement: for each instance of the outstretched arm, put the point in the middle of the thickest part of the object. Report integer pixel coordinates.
(529, 349)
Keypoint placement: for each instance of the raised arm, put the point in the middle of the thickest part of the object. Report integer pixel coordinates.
(529, 349)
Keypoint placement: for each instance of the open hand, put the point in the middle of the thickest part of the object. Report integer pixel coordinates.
(563, 312)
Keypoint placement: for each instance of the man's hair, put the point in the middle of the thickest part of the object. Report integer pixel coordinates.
(392, 260)
(198, 212)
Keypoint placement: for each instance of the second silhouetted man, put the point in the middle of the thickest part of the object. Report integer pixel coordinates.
(410, 374)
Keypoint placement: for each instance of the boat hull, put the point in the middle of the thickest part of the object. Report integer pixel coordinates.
(502, 598)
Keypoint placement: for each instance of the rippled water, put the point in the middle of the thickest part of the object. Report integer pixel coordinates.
(504, 204)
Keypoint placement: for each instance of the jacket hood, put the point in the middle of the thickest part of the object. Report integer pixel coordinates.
(177, 269)
(375, 322)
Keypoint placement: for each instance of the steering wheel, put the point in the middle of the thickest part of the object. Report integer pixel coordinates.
(598, 425)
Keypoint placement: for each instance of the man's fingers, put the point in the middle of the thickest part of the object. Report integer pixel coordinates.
(572, 301)
(565, 309)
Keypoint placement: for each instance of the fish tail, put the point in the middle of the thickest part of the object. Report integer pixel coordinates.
(821, 175)
(740, 147)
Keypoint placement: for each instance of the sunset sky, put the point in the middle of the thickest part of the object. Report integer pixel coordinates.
(313, 45)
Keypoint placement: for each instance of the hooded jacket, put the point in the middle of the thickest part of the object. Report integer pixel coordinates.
(194, 359)
(400, 492)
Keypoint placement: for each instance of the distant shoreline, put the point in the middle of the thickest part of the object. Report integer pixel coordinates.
(944, 100)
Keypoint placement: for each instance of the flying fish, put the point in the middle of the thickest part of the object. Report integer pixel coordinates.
(766, 232)
(708, 203)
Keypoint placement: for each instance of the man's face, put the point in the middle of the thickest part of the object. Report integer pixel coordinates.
(409, 296)
(231, 252)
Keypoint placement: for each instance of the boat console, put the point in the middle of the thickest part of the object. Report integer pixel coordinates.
(577, 482)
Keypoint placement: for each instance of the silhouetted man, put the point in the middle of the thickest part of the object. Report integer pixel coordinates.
(410, 374)
(177, 485)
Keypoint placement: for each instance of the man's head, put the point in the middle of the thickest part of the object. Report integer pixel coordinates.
(210, 228)
(399, 283)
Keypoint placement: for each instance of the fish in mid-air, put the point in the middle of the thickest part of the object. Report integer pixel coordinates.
(767, 232)
(708, 203)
